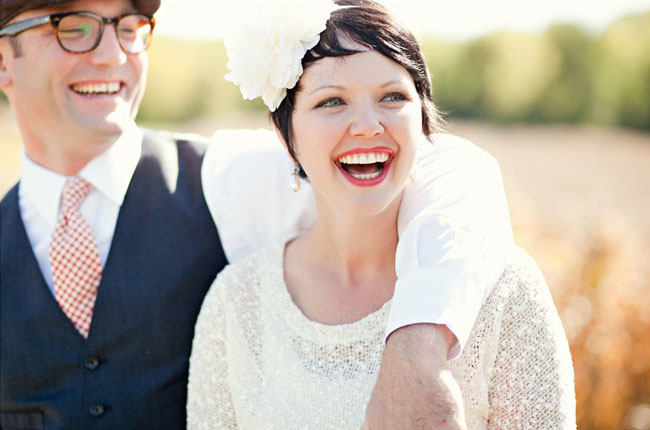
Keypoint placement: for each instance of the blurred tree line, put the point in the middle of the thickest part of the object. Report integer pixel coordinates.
(564, 75)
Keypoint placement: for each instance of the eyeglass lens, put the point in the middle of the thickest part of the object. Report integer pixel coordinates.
(80, 33)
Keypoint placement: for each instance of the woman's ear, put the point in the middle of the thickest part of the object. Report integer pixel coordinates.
(284, 143)
(280, 138)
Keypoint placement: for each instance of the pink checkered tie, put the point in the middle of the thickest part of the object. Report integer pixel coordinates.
(74, 258)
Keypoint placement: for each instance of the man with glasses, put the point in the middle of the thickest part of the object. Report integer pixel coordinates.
(74, 72)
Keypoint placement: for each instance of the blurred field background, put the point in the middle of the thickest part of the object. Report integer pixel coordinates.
(566, 112)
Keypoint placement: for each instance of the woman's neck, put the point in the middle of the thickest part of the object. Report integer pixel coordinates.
(353, 245)
(344, 267)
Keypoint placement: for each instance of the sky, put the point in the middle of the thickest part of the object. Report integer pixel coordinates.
(452, 19)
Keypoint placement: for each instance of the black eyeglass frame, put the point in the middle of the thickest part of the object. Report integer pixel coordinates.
(18, 27)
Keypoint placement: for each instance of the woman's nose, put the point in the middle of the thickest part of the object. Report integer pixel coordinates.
(366, 123)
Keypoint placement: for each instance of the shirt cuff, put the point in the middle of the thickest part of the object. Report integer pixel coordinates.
(446, 303)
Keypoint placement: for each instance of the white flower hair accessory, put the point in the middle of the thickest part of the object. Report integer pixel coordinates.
(265, 51)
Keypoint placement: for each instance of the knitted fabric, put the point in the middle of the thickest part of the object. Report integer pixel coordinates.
(258, 362)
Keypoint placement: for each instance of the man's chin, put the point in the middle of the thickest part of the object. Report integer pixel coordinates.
(111, 126)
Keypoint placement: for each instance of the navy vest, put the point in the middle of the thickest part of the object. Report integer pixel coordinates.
(131, 372)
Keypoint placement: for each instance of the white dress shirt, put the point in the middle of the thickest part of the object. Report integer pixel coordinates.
(39, 197)
(455, 234)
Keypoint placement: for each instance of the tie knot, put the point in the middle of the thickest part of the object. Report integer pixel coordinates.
(75, 191)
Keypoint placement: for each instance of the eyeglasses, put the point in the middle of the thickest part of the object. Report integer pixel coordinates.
(80, 32)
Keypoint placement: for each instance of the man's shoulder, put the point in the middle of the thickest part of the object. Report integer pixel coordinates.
(10, 197)
(172, 140)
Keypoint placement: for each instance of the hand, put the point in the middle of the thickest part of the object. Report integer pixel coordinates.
(415, 388)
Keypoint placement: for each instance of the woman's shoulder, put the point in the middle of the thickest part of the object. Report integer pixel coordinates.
(520, 302)
(519, 314)
(244, 281)
(522, 282)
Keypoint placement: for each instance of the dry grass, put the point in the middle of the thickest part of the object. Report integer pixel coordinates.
(579, 199)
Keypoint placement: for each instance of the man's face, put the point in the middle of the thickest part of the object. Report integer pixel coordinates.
(58, 95)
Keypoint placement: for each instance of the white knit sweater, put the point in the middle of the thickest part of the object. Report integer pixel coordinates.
(258, 363)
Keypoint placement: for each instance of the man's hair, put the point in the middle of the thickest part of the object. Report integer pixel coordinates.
(15, 46)
(368, 24)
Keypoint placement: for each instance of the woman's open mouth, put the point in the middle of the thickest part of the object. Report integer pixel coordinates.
(365, 167)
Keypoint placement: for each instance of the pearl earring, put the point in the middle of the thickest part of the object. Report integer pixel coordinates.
(294, 181)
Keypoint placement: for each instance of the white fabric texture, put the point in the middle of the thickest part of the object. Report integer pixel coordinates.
(258, 362)
(454, 226)
(39, 197)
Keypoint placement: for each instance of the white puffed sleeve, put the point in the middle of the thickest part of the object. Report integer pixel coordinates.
(245, 176)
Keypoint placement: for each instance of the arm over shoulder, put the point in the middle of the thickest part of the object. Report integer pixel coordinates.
(245, 178)
(455, 232)
(455, 238)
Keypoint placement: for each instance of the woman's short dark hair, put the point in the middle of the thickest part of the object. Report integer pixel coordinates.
(370, 25)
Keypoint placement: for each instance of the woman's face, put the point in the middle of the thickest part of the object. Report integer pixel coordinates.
(356, 125)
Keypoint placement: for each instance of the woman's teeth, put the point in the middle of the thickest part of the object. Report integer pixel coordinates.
(103, 88)
(364, 165)
(364, 158)
(366, 175)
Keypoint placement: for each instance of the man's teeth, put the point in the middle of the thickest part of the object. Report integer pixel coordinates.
(104, 88)
(364, 158)
(366, 175)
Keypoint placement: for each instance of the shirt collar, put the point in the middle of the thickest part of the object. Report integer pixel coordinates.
(109, 173)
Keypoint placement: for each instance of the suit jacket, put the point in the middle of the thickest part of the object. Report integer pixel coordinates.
(131, 371)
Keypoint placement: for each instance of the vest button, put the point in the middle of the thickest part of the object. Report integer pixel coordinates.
(91, 363)
(96, 410)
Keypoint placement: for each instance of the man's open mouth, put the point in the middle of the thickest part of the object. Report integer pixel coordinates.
(99, 88)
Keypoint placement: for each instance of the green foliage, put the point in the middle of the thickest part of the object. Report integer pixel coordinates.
(563, 75)
(186, 82)
(622, 78)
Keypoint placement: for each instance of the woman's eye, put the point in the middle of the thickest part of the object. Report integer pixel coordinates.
(394, 97)
(330, 102)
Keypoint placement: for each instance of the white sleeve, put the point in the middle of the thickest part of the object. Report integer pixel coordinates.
(209, 400)
(531, 383)
(455, 238)
(245, 176)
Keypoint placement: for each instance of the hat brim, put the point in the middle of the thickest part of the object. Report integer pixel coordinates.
(9, 9)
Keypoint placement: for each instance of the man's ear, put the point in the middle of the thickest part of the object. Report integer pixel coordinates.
(5, 76)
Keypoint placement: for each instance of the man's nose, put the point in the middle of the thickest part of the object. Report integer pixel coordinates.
(108, 52)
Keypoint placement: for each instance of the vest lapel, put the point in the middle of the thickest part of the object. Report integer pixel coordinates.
(33, 298)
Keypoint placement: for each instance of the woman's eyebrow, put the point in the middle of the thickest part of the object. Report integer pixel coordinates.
(325, 87)
(391, 82)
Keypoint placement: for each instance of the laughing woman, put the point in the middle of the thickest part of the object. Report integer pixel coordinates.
(292, 337)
